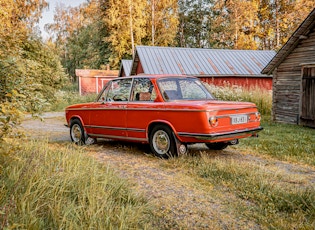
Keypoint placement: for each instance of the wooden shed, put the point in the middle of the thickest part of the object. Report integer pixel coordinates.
(92, 81)
(293, 70)
(217, 66)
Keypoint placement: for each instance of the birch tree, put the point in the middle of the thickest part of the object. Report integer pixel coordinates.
(163, 23)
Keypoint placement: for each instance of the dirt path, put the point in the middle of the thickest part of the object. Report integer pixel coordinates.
(180, 201)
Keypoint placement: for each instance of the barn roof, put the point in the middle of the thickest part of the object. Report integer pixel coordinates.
(300, 33)
(95, 73)
(125, 66)
(197, 61)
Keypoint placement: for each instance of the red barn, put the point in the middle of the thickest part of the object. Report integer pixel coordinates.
(92, 81)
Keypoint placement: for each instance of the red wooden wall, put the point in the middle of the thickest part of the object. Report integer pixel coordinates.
(245, 82)
(92, 81)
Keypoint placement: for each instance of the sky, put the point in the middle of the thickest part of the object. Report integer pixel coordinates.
(48, 13)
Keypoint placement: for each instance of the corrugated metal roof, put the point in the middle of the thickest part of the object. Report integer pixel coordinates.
(300, 33)
(125, 66)
(197, 61)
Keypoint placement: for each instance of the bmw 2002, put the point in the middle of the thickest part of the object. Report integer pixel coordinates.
(167, 112)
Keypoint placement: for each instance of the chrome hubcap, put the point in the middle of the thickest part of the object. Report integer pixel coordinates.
(76, 133)
(161, 142)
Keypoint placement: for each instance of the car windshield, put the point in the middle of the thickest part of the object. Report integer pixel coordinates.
(183, 89)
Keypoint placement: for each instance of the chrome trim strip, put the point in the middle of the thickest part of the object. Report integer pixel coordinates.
(119, 137)
(136, 130)
(104, 127)
(118, 107)
(229, 115)
(215, 136)
(114, 128)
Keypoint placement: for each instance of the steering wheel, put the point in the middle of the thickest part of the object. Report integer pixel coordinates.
(119, 98)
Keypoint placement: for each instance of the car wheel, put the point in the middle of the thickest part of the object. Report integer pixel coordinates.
(217, 145)
(77, 132)
(162, 142)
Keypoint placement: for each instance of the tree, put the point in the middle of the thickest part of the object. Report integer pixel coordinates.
(240, 23)
(138, 22)
(278, 19)
(78, 33)
(29, 71)
(195, 23)
(127, 25)
(163, 23)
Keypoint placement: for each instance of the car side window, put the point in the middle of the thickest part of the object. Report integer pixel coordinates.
(102, 97)
(119, 90)
(143, 90)
(170, 89)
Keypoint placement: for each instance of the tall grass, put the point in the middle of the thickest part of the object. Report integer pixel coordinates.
(66, 98)
(283, 141)
(69, 95)
(261, 97)
(272, 200)
(53, 186)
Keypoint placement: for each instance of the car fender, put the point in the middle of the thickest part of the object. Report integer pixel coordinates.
(80, 119)
(165, 122)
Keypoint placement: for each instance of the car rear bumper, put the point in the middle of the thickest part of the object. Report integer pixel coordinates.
(217, 136)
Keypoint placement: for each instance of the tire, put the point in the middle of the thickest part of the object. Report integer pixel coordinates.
(77, 132)
(217, 145)
(162, 142)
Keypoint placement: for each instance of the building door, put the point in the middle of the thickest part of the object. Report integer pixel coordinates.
(308, 97)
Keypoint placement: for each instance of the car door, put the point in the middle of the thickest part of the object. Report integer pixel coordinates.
(141, 109)
(108, 117)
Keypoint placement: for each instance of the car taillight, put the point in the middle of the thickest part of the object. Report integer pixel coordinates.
(258, 116)
(213, 121)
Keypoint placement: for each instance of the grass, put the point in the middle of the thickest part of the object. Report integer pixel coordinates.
(283, 141)
(253, 191)
(69, 95)
(261, 97)
(57, 186)
(65, 98)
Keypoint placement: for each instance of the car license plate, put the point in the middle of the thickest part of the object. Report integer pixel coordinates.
(239, 119)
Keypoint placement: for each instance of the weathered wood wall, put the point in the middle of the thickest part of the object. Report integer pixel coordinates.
(287, 81)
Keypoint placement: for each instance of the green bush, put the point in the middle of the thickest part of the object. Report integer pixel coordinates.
(29, 79)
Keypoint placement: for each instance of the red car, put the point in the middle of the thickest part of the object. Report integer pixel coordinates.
(168, 112)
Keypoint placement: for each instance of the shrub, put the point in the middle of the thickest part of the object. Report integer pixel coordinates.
(261, 97)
